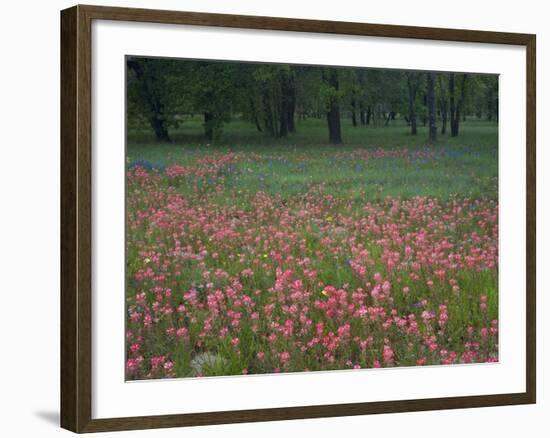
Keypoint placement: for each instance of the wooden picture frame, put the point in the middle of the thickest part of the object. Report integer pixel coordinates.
(76, 217)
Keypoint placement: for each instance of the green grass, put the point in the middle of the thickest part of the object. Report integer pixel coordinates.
(313, 132)
(465, 165)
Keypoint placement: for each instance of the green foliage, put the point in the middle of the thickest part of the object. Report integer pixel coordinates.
(157, 88)
(213, 91)
(163, 94)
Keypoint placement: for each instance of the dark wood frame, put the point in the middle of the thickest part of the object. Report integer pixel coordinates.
(76, 225)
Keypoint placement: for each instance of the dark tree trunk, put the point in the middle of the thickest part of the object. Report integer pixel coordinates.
(287, 105)
(456, 103)
(333, 113)
(443, 117)
(452, 104)
(443, 107)
(431, 107)
(283, 116)
(208, 125)
(291, 108)
(369, 115)
(159, 126)
(455, 123)
(268, 121)
(333, 120)
(257, 123)
(284, 105)
(290, 119)
(353, 115)
(425, 102)
(254, 113)
(412, 86)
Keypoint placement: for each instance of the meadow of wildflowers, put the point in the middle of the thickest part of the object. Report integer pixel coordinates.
(285, 261)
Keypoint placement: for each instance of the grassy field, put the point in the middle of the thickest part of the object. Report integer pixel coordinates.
(475, 133)
(466, 165)
(255, 255)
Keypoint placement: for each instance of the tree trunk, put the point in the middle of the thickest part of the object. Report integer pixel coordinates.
(456, 108)
(254, 113)
(362, 115)
(443, 106)
(158, 122)
(267, 103)
(290, 115)
(284, 105)
(455, 122)
(333, 113)
(452, 104)
(283, 118)
(369, 115)
(257, 123)
(353, 115)
(431, 107)
(388, 118)
(412, 87)
(443, 116)
(208, 126)
(333, 120)
(291, 105)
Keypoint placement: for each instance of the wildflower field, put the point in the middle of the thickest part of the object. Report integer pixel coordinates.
(268, 259)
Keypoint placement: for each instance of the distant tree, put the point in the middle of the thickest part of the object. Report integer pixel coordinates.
(271, 102)
(413, 82)
(386, 93)
(442, 92)
(214, 91)
(361, 92)
(483, 93)
(150, 92)
(491, 97)
(332, 97)
(307, 87)
(290, 99)
(350, 93)
(456, 100)
(286, 117)
(248, 99)
(430, 93)
(163, 93)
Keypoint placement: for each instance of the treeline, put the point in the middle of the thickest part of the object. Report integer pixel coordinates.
(162, 93)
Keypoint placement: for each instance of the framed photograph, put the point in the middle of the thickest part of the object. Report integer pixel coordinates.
(270, 218)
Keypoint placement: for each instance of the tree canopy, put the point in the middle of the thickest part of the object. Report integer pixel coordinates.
(163, 92)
